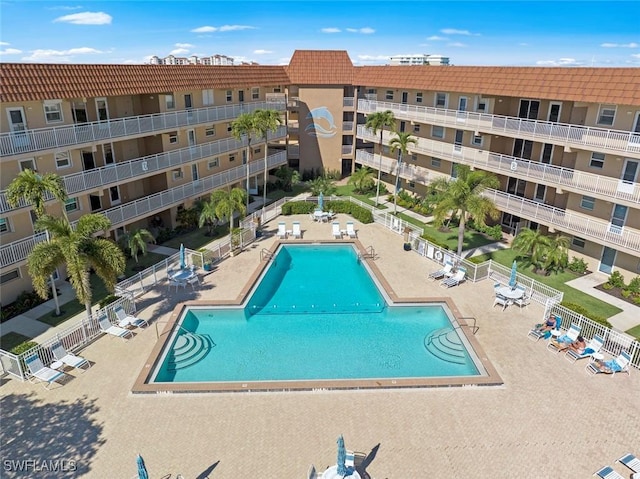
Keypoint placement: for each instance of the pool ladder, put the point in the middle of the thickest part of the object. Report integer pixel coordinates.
(265, 255)
(369, 253)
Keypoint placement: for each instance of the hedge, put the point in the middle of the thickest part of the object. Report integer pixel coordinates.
(337, 206)
(298, 207)
(576, 308)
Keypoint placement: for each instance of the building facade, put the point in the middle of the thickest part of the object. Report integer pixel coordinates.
(139, 142)
(419, 59)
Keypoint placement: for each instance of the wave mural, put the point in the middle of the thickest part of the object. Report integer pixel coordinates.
(322, 123)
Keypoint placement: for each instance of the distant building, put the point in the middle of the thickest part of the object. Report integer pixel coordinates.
(421, 59)
(192, 60)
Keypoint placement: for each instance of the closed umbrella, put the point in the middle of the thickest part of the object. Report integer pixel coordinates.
(320, 201)
(342, 457)
(183, 265)
(513, 279)
(142, 469)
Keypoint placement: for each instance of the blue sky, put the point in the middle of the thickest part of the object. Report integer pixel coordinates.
(548, 33)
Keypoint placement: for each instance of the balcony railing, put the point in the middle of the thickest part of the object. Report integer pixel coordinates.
(347, 149)
(556, 176)
(101, 131)
(348, 101)
(347, 126)
(582, 137)
(597, 230)
(293, 151)
(19, 250)
(116, 173)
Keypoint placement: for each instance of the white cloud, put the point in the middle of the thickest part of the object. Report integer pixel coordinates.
(262, 52)
(42, 55)
(4, 44)
(456, 44)
(10, 51)
(62, 7)
(455, 31)
(223, 28)
(330, 30)
(86, 18)
(178, 51)
(436, 38)
(183, 45)
(619, 45)
(636, 55)
(365, 30)
(560, 62)
(205, 29)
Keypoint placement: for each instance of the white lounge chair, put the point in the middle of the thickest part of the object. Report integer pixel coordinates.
(70, 359)
(108, 328)
(556, 344)
(350, 231)
(125, 319)
(536, 333)
(41, 372)
(619, 364)
(608, 473)
(631, 461)
(593, 347)
(282, 231)
(441, 273)
(295, 230)
(335, 230)
(456, 279)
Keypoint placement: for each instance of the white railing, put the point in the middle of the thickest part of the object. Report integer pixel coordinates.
(119, 215)
(347, 126)
(293, 151)
(347, 149)
(348, 101)
(541, 293)
(101, 131)
(116, 173)
(598, 139)
(556, 176)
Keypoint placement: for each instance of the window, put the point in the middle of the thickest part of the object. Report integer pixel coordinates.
(403, 126)
(229, 128)
(63, 160)
(255, 93)
(257, 150)
(389, 95)
(412, 184)
(442, 100)
(588, 203)
(4, 225)
(170, 102)
(547, 153)
(207, 97)
(71, 205)
(578, 242)
(419, 97)
(53, 111)
(177, 173)
(229, 96)
(414, 157)
(210, 131)
(597, 161)
(540, 193)
(28, 164)
(416, 128)
(522, 148)
(107, 153)
(436, 162)
(606, 115)
(213, 163)
(173, 137)
(372, 91)
(437, 131)
(477, 140)
(9, 276)
(277, 89)
(232, 158)
(114, 195)
(481, 105)
(95, 202)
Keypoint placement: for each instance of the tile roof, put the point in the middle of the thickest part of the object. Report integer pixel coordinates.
(28, 81)
(320, 67)
(605, 85)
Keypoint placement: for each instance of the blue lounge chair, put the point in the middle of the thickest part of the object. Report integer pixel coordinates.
(608, 473)
(555, 345)
(42, 373)
(441, 273)
(631, 461)
(535, 334)
(108, 328)
(593, 347)
(69, 359)
(616, 365)
(456, 279)
(125, 319)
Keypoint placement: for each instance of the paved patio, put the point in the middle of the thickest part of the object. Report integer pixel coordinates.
(550, 419)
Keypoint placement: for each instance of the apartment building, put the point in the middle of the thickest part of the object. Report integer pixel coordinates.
(191, 60)
(418, 59)
(139, 141)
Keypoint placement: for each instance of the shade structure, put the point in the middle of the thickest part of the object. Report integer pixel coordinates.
(142, 469)
(182, 262)
(320, 201)
(342, 457)
(513, 279)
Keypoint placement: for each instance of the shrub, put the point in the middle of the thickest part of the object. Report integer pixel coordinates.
(434, 241)
(578, 265)
(22, 347)
(298, 207)
(108, 300)
(359, 213)
(616, 280)
(583, 311)
(634, 285)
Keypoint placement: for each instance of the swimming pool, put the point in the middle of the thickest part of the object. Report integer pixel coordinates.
(316, 314)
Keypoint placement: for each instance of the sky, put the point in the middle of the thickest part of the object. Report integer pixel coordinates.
(508, 33)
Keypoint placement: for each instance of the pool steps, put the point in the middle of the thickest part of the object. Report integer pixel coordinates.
(445, 344)
(189, 349)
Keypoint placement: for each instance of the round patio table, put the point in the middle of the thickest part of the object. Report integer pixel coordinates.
(332, 473)
(183, 275)
(507, 292)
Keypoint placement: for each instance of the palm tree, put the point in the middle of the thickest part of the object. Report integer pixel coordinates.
(324, 185)
(378, 121)
(361, 179)
(80, 250)
(207, 216)
(136, 242)
(245, 125)
(462, 197)
(227, 203)
(545, 253)
(400, 143)
(265, 121)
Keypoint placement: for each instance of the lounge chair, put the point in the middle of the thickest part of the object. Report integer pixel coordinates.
(535, 334)
(619, 364)
(555, 345)
(350, 231)
(631, 461)
(593, 346)
(335, 230)
(295, 230)
(282, 231)
(108, 328)
(70, 359)
(608, 473)
(456, 279)
(41, 372)
(125, 319)
(504, 302)
(441, 273)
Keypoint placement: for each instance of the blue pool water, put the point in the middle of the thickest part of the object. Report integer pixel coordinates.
(315, 314)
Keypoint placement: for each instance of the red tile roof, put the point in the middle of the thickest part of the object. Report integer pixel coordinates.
(320, 67)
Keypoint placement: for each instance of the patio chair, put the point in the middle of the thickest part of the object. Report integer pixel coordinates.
(282, 231)
(125, 319)
(608, 473)
(536, 334)
(556, 344)
(593, 347)
(618, 364)
(350, 231)
(42, 373)
(631, 461)
(524, 301)
(441, 273)
(335, 230)
(504, 302)
(295, 230)
(110, 329)
(456, 279)
(69, 359)
(176, 283)
(193, 281)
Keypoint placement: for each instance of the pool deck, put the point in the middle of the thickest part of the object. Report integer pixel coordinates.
(548, 419)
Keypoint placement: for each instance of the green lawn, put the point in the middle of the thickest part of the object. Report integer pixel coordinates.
(635, 332)
(197, 238)
(557, 281)
(278, 194)
(347, 190)
(11, 340)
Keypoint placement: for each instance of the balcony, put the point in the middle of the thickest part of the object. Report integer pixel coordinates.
(347, 150)
(116, 173)
(293, 126)
(120, 215)
(348, 102)
(347, 125)
(76, 135)
(293, 151)
(611, 189)
(580, 137)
